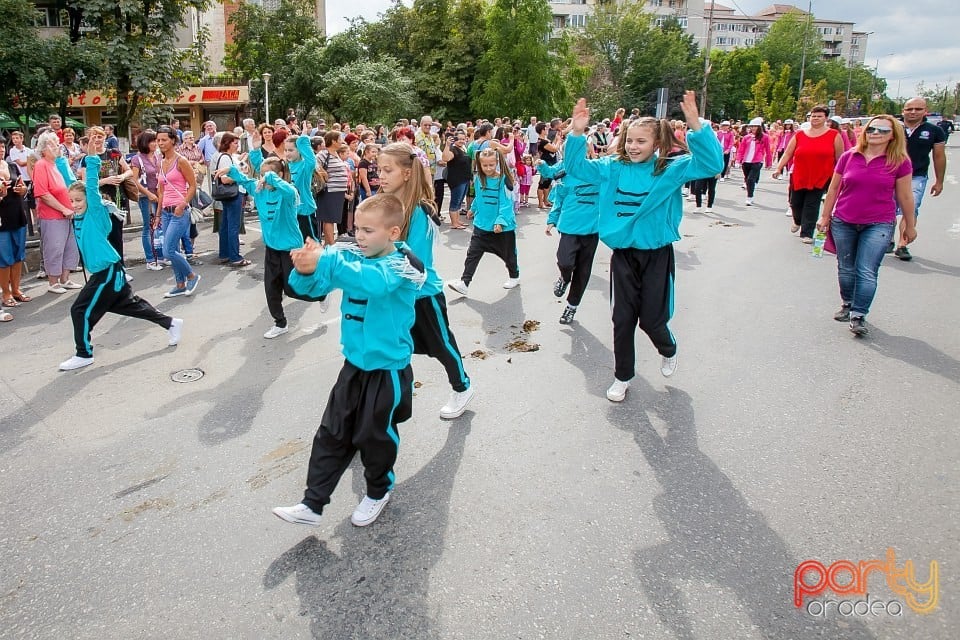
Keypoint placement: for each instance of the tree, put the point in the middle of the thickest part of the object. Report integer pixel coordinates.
(142, 62)
(614, 38)
(787, 40)
(375, 90)
(262, 44)
(390, 35)
(464, 46)
(782, 103)
(517, 74)
(811, 96)
(303, 85)
(730, 83)
(759, 105)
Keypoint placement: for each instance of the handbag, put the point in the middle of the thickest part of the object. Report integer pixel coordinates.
(196, 215)
(130, 189)
(320, 176)
(201, 199)
(220, 191)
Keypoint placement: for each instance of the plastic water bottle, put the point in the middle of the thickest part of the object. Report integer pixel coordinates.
(819, 239)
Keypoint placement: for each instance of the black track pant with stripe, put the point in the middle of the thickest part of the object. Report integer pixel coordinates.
(362, 414)
(105, 291)
(575, 260)
(432, 337)
(308, 226)
(503, 244)
(277, 266)
(641, 294)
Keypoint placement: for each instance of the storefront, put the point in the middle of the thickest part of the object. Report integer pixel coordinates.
(224, 105)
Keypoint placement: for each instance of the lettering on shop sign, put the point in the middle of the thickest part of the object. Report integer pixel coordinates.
(220, 95)
(845, 578)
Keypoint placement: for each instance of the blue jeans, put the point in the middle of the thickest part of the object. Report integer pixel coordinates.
(176, 229)
(860, 249)
(147, 210)
(919, 185)
(230, 219)
(457, 194)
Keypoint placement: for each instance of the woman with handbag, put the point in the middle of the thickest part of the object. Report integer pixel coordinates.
(330, 201)
(227, 192)
(145, 166)
(176, 186)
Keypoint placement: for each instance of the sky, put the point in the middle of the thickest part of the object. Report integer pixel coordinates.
(913, 40)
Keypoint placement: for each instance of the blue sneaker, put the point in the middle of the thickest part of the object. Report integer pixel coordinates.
(176, 291)
(192, 284)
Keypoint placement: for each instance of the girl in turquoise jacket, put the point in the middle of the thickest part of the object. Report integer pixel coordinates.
(640, 211)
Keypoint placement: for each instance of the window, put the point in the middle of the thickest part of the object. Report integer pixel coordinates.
(826, 31)
(839, 31)
(682, 21)
(51, 17)
(725, 41)
(655, 3)
(559, 22)
(577, 20)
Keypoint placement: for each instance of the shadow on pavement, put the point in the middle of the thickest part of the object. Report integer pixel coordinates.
(923, 266)
(714, 536)
(913, 352)
(500, 321)
(378, 585)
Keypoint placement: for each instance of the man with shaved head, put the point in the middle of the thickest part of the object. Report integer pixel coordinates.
(923, 139)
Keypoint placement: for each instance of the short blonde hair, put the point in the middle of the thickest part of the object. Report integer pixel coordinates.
(896, 150)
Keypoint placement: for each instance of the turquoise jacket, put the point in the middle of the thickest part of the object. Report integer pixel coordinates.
(640, 210)
(377, 305)
(493, 205)
(422, 238)
(276, 208)
(93, 226)
(576, 205)
(301, 173)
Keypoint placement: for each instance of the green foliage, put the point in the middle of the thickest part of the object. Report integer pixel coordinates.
(759, 105)
(786, 41)
(373, 90)
(811, 96)
(517, 74)
(140, 61)
(782, 103)
(730, 82)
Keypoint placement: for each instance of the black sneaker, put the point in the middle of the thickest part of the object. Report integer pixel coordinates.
(568, 314)
(858, 326)
(844, 314)
(904, 254)
(560, 287)
(890, 248)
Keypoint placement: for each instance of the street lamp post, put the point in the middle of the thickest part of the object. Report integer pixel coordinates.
(266, 97)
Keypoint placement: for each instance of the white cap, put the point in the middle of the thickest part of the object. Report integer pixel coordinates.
(789, 121)
(725, 123)
(756, 122)
(837, 119)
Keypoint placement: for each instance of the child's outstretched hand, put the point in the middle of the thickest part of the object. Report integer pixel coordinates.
(690, 111)
(305, 260)
(497, 228)
(581, 117)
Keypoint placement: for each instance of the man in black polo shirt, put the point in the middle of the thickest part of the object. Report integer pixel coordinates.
(922, 139)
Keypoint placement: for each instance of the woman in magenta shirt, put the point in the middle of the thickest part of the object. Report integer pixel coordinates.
(868, 183)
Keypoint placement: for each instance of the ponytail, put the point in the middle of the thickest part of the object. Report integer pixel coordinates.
(665, 140)
(418, 190)
(501, 164)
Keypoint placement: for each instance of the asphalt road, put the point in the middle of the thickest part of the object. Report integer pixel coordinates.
(137, 507)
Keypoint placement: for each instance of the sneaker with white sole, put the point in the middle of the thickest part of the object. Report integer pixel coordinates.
(560, 287)
(511, 283)
(369, 510)
(274, 332)
(70, 284)
(457, 404)
(174, 332)
(459, 286)
(154, 266)
(298, 514)
(708, 210)
(175, 292)
(618, 390)
(749, 202)
(76, 362)
(41, 275)
(56, 288)
(668, 366)
(192, 284)
(567, 316)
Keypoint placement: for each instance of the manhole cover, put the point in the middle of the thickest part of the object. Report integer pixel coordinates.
(186, 375)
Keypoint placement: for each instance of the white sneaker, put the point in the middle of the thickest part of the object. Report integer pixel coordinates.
(41, 275)
(618, 390)
(154, 266)
(368, 510)
(76, 362)
(324, 306)
(458, 286)
(723, 179)
(697, 210)
(174, 332)
(789, 211)
(749, 202)
(457, 404)
(708, 210)
(70, 284)
(668, 366)
(275, 331)
(298, 514)
(56, 288)
(690, 198)
(511, 283)
(128, 277)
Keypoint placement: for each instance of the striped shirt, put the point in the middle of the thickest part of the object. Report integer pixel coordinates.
(336, 170)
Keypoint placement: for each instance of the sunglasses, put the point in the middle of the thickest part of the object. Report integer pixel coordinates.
(879, 129)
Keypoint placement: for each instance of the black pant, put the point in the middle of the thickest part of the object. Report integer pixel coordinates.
(705, 185)
(805, 204)
(503, 244)
(438, 192)
(575, 261)
(105, 291)
(751, 175)
(308, 226)
(115, 237)
(277, 266)
(432, 337)
(726, 165)
(641, 293)
(362, 414)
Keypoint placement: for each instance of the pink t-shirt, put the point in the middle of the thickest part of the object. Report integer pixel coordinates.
(868, 189)
(174, 185)
(47, 180)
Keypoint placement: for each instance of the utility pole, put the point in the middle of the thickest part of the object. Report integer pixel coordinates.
(803, 55)
(707, 67)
